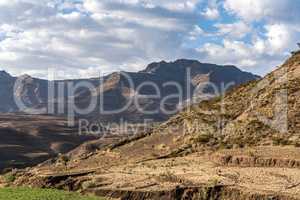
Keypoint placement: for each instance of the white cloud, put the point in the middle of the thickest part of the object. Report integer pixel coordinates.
(70, 16)
(248, 9)
(273, 11)
(279, 37)
(108, 34)
(240, 54)
(140, 12)
(8, 56)
(83, 36)
(211, 13)
(259, 45)
(172, 5)
(237, 29)
(196, 32)
(273, 29)
(7, 2)
(230, 52)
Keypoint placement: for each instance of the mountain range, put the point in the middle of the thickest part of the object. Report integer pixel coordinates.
(29, 138)
(116, 91)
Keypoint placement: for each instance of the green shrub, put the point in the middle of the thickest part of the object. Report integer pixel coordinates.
(88, 184)
(213, 182)
(168, 177)
(297, 144)
(9, 177)
(203, 138)
(280, 141)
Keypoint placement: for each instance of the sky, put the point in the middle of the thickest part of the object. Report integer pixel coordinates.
(81, 38)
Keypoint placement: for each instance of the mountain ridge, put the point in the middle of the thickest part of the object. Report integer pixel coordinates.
(147, 67)
(34, 92)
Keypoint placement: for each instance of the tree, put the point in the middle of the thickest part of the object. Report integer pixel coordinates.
(296, 52)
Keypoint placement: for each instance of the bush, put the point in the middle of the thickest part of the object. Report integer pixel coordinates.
(9, 177)
(88, 185)
(62, 159)
(213, 182)
(169, 177)
(297, 144)
(280, 141)
(203, 138)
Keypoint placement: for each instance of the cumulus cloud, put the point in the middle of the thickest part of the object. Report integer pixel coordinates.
(260, 55)
(90, 34)
(211, 13)
(196, 32)
(172, 5)
(273, 11)
(279, 37)
(229, 52)
(232, 52)
(81, 37)
(237, 30)
(261, 37)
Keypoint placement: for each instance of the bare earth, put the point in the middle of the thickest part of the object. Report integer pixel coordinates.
(246, 174)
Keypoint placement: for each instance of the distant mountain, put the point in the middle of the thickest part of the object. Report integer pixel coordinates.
(117, 91)
(6, 92)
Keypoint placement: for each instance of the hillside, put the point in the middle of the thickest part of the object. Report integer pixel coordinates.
(242, 146)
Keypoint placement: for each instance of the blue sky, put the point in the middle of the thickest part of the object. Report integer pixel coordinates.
(79, 38)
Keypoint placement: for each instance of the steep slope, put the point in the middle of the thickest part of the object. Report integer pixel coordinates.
(224, 148)
(6, 88)
(31, 92)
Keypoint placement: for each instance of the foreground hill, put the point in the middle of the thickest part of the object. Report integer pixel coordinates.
(116, 91)
(242, 146)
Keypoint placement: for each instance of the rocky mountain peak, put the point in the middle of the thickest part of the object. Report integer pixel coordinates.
(154, 67)
(186, 62)
(4, 74)
(26, 78)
